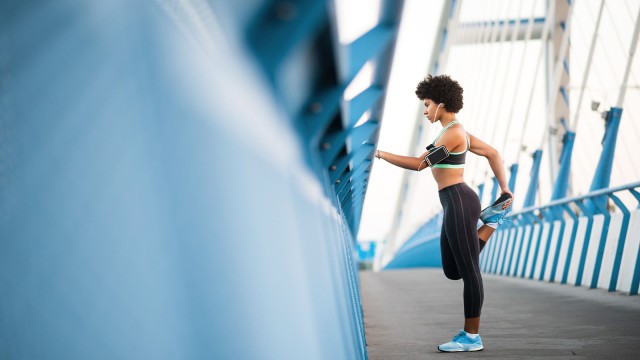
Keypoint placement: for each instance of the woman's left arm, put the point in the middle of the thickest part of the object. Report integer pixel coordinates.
(405, 162)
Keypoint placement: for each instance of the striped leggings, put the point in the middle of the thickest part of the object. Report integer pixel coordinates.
(459, 245)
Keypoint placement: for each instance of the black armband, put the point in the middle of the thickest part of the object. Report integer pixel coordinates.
(436, 155)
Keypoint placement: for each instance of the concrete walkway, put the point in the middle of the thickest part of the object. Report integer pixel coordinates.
(407, 313)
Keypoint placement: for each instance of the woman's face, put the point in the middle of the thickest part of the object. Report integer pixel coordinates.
(430, 110)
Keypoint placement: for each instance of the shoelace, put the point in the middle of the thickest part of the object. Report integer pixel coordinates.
(504, 219)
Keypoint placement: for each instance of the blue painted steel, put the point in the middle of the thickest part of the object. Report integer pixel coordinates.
(507, 249)
(550, 214)
(480, 191)
(354, 177)
(556, 256)
(430, 228)
(320, 111)
(626, 214)
(498, 250)
(362, 152)
(422, 254)
(545, 251)
(572, 240)
(494, 190)
(602, 175)
(365, 132)
(370, 46)
(533, 220)
(158, 213)
(636, 195)
(635, 283)
(523, 21)
(274, 38)
(536, 251)
(350, 266)
(366, 251)
(491, 252)
(364, 101)
(563, 90)
(331, 145)
(494, 251)
(577, 199)
(530, 199)
(504, 250)
(601, 245)
(524, 222)
(587, 238)
(422, 249)
(515, 249)
(513, 177)
(353, 197)
(562, 180)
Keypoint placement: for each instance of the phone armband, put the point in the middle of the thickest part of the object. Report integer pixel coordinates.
(436, 155)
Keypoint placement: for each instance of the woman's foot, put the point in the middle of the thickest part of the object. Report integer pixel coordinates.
(494, 215)
(462, 342)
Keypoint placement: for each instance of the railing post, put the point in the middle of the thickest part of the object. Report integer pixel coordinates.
(562, 181)
(602, 176)
(532, 219)
(572, 240)
(587, 238)
(530, 200)
(621, 240)
(514, 175)
(494, 190)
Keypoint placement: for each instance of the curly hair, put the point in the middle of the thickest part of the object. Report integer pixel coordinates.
(441, 89)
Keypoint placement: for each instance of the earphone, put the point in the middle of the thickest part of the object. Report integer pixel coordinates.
(435, 117)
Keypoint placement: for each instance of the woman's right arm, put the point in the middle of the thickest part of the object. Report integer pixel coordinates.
(405, 162)
(481, 148)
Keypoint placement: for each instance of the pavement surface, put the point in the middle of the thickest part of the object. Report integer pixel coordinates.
(407, 313)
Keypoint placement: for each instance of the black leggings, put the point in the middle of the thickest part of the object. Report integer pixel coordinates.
(459, 243)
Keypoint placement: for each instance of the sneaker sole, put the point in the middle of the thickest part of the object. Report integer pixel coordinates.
(498, 203)
(483, 215)
(461, 350)
(502, 199)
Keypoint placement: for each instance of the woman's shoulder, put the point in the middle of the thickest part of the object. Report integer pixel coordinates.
(456, 130)
(454, 136)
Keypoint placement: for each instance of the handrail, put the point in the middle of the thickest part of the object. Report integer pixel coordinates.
(600, 192)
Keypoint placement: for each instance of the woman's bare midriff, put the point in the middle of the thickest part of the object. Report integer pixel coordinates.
(447, 177)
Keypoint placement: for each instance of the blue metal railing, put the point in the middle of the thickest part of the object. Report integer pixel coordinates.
(180, 179)
(545, 214)
(536, 254)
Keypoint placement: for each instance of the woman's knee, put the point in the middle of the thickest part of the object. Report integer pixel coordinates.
(452, 274)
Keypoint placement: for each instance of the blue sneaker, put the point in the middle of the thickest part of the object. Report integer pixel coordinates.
(462, 342)
(494, 215)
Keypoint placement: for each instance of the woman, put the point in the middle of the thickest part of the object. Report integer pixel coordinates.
(460, 241)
